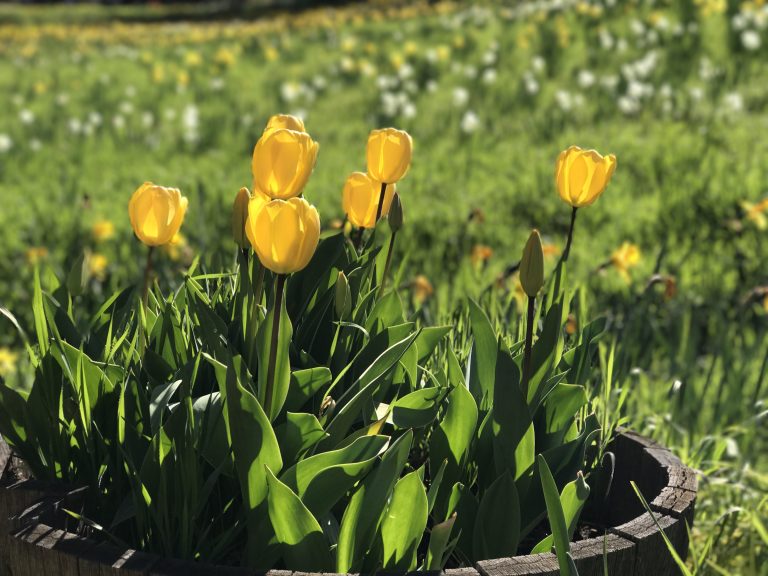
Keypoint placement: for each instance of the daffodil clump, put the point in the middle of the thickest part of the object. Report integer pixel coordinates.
(294, 412)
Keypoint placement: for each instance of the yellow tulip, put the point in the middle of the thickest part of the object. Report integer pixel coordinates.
(582, 175)
(360, 199)
(284, 233)
(239, 216)
(156, 213)
(389, 154)
(284, 121)
(282, 162)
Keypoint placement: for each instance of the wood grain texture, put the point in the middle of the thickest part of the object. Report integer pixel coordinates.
(651, 553)
(617, 552)
(536, 564)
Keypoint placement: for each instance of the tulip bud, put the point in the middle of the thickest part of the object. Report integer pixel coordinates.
(389, 154)
(582, 175)
(282, 162)
(285, 121)
(156, 213)
(532, 265)
(395, 213)
(284, 233)
(239, 216)
(343, 297)
(360, 199)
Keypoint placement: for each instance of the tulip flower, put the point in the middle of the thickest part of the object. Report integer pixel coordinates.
(156, 213)
(239, 216)
(284, 233)
(389, 154)
(360, 199)
(531, 279)
(582, 175)
(285, 121)
(282, 162)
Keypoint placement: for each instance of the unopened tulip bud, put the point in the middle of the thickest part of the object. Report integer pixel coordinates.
(343, 297)
(396, 214)
(239, 216)
(532, 265)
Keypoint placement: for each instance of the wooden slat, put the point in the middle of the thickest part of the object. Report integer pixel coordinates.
(536, 564)
(462, 572)
(620, 552)
(652, 555)
(40, 549)
(169, 567)
(109, 560)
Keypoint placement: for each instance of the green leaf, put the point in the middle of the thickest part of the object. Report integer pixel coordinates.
(322, 480)
(417, 409)
(547, 351)
(253, 441)
(304, 385)
(482, 373)
(297, 435)
(452, 439)
(303, 544)
(429, 339)
(572, 499)
(556, 517)
(404, 523)
(438, 551)
(388, 311)
(78, 276)
(362, 516)
(282, 381)
(210, 420)
(160, 396)
(497, 528)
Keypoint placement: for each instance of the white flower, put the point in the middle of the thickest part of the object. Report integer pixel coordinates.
(531, 84)
(26, 116)
(610, 82)
(637, 27)
(246, 120)
(290, 91)
(5, 143)
(35, 145)
(169, 114)
(696, 93)
(750, 40)
(538, 64)
(319, 82)
(300, 113)
(130, 91)
(469, 122)
(564, 100)
(94, 118)
(386, 82)
(470, 72)
(733, 102)
(75, 125)
(217, 83)
(405, 72)
(147, 119)
(606, 40)
(586, 78)
(117, 121)
(460, 97)
(489, 76)
(489, 57)
(430, 86)
(409, 110)
(628, 105)
(62, 99)
(126, 108)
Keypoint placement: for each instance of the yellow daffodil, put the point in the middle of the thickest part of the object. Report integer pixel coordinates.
(582, 175)
(8, 359)
(284, 233)
(156, 213)
(360, 199)
(389, 154)
(282, 162)
(97, 266)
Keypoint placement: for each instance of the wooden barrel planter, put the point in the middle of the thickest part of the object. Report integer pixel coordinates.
(35, 541)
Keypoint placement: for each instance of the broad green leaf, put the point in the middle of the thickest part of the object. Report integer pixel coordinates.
(438, 550)
(363, 514)
(429, 339)
(404, 523)
(210, 421)
(547, 351)
(572, 499)
(297, 434)
(304, 385)
(497, 529)
(159, 398)
(434, 486)
(451, 440)
(282, 376)
(417, 409)
(302, 541)
(463, 506)
(253, 441)
(556, 517)
(482, 374)
(388, 311)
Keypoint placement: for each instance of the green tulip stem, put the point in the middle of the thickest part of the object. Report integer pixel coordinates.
(358, 238)
(528, 346)
(147, 275)
(567, 251)
(277, 312)
(380, 207)
(388, 263)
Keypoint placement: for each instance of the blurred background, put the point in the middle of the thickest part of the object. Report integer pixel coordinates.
(97, 98)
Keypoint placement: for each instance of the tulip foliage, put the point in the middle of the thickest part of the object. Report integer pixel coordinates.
(296, 412)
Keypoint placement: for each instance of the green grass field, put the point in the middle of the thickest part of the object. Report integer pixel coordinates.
(490, 92)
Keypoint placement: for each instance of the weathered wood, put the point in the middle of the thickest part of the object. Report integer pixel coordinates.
(40, 549)
(535, 564)
(652, 555)
(676, 502)
(168, 567)
(589, 554)
(109, 560)
(14, 498)
(461, 572)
